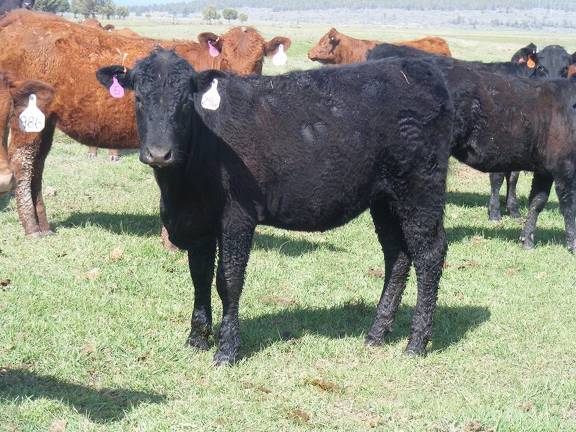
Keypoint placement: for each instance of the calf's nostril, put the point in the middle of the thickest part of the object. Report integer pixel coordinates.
(168, 155)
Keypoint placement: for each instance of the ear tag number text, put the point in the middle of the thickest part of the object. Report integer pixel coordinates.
(211, 99)
(32, 119)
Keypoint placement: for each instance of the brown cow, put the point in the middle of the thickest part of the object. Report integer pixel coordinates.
(67, 55)
(14, 98)
(113, 154)
(337, 48)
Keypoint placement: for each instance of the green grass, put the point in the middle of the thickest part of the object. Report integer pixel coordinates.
(93, 322)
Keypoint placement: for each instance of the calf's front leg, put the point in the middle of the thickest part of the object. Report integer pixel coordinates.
(201, 260)
(496, 180)
(234, 245)
(565, 189)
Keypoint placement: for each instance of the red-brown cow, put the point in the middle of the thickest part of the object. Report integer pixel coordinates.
(337, 48)
(113, 154)
(66, 55)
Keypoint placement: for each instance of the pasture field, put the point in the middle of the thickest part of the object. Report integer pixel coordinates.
(93, 320)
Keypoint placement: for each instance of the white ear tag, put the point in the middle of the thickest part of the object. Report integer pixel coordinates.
(280, 58)
(211, 99)
(32, 119)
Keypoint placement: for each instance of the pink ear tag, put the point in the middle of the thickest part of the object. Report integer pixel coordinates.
(213, 50)
(116, 90)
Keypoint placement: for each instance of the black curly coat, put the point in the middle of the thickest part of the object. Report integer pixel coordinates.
(303, 151)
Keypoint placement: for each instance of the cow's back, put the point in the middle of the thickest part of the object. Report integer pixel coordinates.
(351, 131)
(430, 44)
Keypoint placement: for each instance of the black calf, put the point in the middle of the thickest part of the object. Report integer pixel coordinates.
(505, 123)
(304, 151)
(552, 62)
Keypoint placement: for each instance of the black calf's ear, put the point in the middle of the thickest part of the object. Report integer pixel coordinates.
(124, 76)
(203, 80)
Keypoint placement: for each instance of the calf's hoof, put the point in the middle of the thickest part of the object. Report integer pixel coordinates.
(375, 340)
(494, 216)
(46, 233)
(91, 155)
(114, 158)
(527, 244)
(34, 235)
(198, 342)
(415, 349)
(514, 213)
(199, 336)
(224, 359)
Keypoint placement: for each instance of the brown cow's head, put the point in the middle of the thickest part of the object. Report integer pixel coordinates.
(244, 49)
(326, 50)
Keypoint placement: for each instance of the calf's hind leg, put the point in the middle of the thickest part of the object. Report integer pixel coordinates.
(397, 265)
(201, 260)
(541, 185)
(511, 197)
(427, 246)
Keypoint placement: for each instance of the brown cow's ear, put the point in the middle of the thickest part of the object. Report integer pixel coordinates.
(21, 91)
(215, 40)
(271, 46)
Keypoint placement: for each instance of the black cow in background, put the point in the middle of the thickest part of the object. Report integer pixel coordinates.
(550, 63)
(8, 5)
(505, 123)
(306, 151)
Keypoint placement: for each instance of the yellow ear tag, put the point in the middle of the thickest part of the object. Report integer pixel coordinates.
(531, 64)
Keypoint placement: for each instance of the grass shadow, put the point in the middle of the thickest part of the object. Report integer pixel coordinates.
(149, 226)
(473, 199)
(542, 235)
(451, 324)
(101, 406)
(5, 200)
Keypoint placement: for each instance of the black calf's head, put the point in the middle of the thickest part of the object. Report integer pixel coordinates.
(523, 55)
(555, 61)
(164, 105)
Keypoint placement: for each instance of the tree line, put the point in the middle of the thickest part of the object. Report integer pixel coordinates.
(85, 8)
(285, 5)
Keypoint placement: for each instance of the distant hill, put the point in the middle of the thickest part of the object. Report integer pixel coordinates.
(197, 5)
